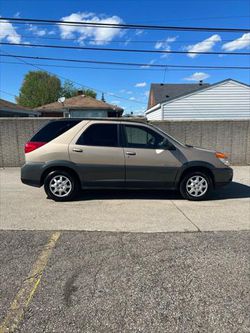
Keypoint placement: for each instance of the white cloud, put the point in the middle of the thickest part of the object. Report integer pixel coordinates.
(115, 102)
(100, 36)
(140, 84)
(51, 32)
(146, 93)
(9, 32)
(158, 45)
(204, 46)
(17, 14)
(36, 31)
(139, 32)
(127, 41)
(124, 91)
(132, 98)
(197, 76)
(150, 63)
(167, 49)
(238, 44)
(163, 44)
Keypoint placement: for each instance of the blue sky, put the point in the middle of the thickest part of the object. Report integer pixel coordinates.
(133, 85)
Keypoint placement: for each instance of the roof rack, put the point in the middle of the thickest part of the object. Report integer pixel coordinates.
(137, 120)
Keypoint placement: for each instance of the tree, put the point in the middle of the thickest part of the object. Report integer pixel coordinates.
(89, 92)
(39, 88)
(69, 90)
(103, 98)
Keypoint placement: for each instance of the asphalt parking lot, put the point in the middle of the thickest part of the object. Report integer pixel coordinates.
(26, 208)
(127, 282)
(124, 261)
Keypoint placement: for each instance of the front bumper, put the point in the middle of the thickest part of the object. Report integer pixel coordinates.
(31, 174)
(222, 176)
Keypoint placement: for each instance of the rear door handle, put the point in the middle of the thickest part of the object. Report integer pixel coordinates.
(77, 150)
(130, 153)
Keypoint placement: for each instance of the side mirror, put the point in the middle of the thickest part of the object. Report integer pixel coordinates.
(167, 145)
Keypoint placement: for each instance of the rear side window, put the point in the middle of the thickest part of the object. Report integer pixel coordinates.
(53, 130)
(105, 135)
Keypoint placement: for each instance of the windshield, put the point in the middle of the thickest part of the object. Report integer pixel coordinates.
(169, 136)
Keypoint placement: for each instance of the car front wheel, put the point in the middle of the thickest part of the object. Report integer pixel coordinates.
(60, 186)
(196, 186)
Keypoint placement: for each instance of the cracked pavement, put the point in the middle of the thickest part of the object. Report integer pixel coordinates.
(131, 282)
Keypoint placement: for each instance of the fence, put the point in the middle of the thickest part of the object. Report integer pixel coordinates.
(232, 137)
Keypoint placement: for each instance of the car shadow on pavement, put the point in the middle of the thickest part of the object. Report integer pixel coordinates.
(232, 191)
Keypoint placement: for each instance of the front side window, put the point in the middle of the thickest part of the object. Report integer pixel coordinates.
(105, 135)
(142, 137)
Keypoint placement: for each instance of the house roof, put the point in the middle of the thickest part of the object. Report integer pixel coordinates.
(6, 105)
(163, 92)
(79, 102)
(175, 90)
(203, 87)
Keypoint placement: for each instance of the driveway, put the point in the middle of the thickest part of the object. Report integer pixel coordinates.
(26, 208)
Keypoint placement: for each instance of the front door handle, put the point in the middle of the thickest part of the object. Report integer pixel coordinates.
(130, 153)
(77, 150)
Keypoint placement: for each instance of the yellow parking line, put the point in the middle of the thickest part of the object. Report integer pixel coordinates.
(25, 294)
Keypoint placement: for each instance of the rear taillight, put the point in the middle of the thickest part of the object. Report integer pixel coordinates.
(30, 146)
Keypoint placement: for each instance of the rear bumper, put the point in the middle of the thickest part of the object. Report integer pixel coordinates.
(31, 174)
(222, 176)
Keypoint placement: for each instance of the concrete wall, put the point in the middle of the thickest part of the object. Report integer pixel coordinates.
(232, 137)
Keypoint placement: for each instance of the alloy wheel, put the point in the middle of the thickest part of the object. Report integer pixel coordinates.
(60, 186)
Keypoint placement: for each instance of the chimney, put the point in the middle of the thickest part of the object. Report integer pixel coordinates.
(79, 92)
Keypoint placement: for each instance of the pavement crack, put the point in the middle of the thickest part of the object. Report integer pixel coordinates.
(32, 276)
(179, 209)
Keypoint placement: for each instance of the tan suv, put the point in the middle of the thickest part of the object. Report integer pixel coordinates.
(71, 154)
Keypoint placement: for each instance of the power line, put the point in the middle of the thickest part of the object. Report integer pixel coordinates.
(121, 25)
(200, 18)
(89, 67)
(161, 66)
(115, 68)
(7, 93)
(118, 41)
(80, 84)
(122, 50)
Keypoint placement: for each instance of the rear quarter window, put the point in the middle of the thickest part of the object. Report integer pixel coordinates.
(53, 129)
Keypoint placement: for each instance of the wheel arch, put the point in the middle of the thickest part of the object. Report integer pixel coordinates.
(65, 166)
(204, 167)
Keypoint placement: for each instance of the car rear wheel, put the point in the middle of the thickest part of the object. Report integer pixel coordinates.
(196, 186)
(60, 185)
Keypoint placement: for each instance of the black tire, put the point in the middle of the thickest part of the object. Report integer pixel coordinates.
(71, 185)
(198, 195)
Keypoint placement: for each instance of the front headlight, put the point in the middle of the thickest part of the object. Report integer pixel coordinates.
(223, 158)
